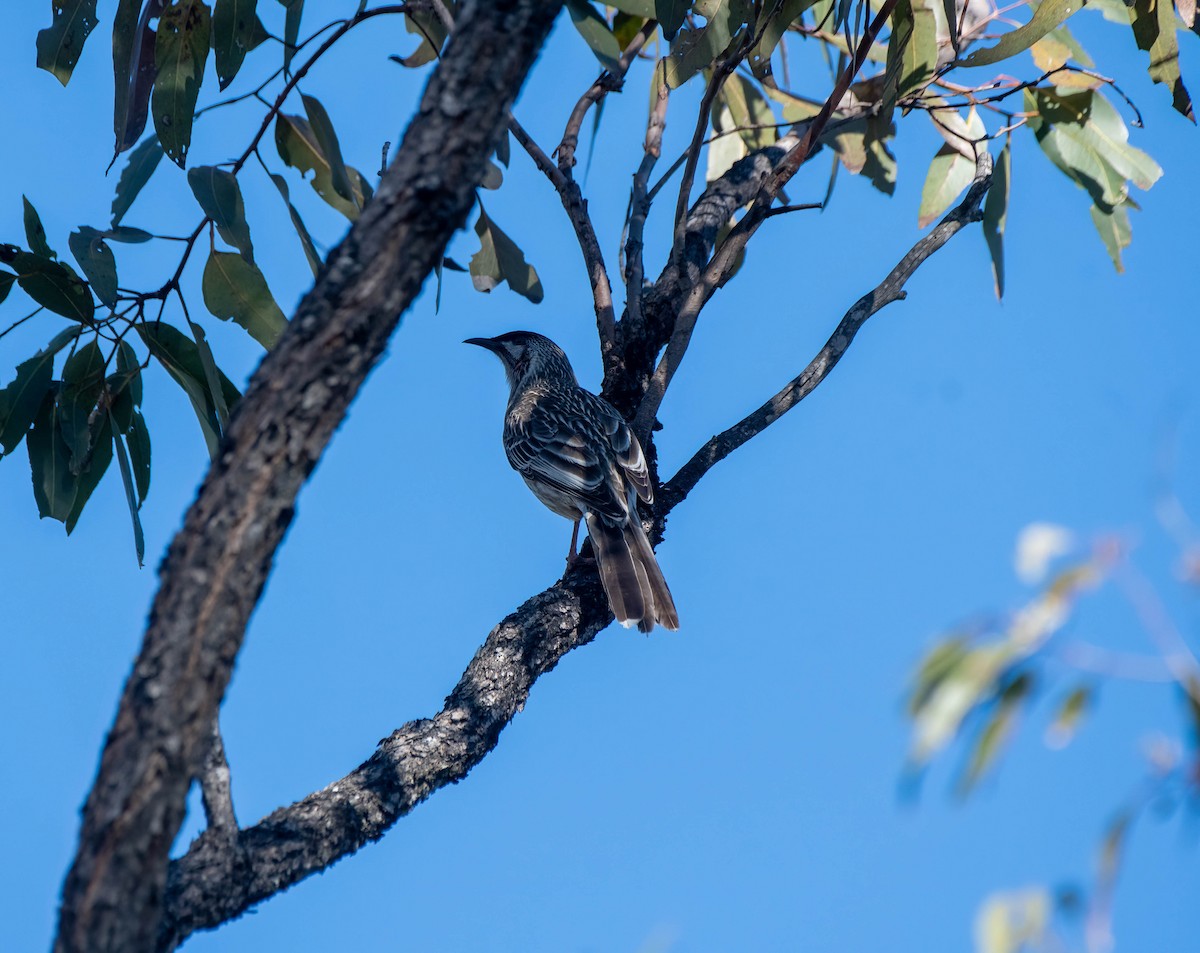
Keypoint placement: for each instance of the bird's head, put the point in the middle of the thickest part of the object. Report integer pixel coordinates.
(527, 356)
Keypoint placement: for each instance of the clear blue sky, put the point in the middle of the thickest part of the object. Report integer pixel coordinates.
(730, 787)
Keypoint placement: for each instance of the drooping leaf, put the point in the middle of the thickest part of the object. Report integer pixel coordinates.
(499, 259)
(596, 33)
(1069, 716)
(299, 148)
(428, 26)
(139, 455)
(141, 165)
(180, 357)
(6, 282)
(51, 284)
(82, 382)
(131, 497)
(670, 15)
(53, 483)
(97, 261)
(949, 173)
(751, 113)
(220, 197)
(1154, 29)
(23, 395)
(59, 45)
(911, 52)
(306, 242)
(235, 289)
(1046, 16)
(625, 27)
(995, 216)
(726, 147)
(327, 141)
(180, 51)
(294, 10)
(125, 387)
(996, 733)
(1115, 232)
(101, 442)
(134, 69)
(694, 50)
(781, 16)
(234, 23)
(212, 374)
(35, 232)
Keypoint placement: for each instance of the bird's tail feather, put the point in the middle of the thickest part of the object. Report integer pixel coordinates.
(636, 589)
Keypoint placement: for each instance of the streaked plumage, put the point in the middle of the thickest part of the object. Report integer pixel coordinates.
(580, 458)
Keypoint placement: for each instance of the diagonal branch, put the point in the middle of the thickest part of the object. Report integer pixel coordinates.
(889, 290)
(217, 566)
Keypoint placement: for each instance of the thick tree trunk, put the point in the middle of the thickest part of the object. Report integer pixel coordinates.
(216, 567)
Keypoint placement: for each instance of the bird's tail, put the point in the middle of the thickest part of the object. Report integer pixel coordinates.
(636, 589)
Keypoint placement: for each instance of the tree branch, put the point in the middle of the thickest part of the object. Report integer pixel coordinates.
(889, 290)
(216, 789)
(215, 569)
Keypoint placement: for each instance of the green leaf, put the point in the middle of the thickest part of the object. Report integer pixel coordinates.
(220, 197)
(59, 45)
(131, 497)
(141, 165)
(499, 259)
(670, 15)
(133, 69)
(995, 216)
(23, 396)
(911, 52)
(51, 284)
(180, 51)
(212, 381)
(97, 261)
(595, 32)
(949, 173)
(82, 382)
(35, 233)
(126, 234)
(1113, 226)
(139, 455)
(125, 387)
(996, 733)
(291, 30)
(694, 50)
(1046, 17)
(428, 26)
(1069, 717)
(726, 149)
(1154, 30)
(299, 148)
(234, 24)
(6, 282)
(327, 141)
(101, 441)
(234, 288)
(180, 357)
(306, 242)
(781, 16)
(54, 485)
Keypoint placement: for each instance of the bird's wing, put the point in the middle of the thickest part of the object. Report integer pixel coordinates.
(568, 448)
(626, 448)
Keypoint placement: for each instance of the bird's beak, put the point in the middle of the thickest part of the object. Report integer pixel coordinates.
(488, 343)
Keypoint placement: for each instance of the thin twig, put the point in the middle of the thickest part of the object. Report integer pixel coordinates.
(639, 204)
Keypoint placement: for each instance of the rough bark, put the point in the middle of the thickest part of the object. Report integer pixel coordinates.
(215, 569)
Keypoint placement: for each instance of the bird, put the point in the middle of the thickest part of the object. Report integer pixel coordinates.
(580, 458)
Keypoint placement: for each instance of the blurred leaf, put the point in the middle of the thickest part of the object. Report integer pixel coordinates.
(670, 15)
(694, 50)
(59, 45)
(134, 69)
(1047, 16)
(139, 455)
(6, 282)
(97, 261)
(35, 232)
(499, 259)
(595, 32)
(911, 52)
(131, 497)
(949, 173)
(428, 26)
(51, 284)
(291, 30)
(502, 149)
(938, 664)
(1038, 545)
(180, 51)
(101, 442)
(996, 733)
(298, 147)
(751, 112)
(234, 24)
(995, 216)
(1113, 846)
(220, 197)
(306, 242)
(82, 382)
(53, 483)
(141, 165)
(780, 17)
(724, 150)
(327, 141)
(493, 178)
(1154, 30)
(1069, 717)
(234, 288)
(626, 26)
(1114, 230)
(181, 359)
(972, 680)
(1012, 922)
(23, 396)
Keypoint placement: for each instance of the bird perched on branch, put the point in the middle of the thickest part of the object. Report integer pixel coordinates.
(581, 459)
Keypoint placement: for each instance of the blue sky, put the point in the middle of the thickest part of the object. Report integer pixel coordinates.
(734, 786)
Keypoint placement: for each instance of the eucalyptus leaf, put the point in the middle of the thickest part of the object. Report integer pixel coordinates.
(596, 33)
(306, 242)
(291, 30)
(54, 485)
(298, 147)
(138, 169)
(327, 141)
(61, 43)
(139, 455)
(220, 197)
(234, 24)
(134, 68)
(1154, 30)
(235, 289)
(1047, 16)
(35, 232)
(51, 284)
(24, 395)
(180, 51)
(97, 262)
(499, 259)
(131, 497)
(6, 282)
(949, 173)
(101, 443)
(995, 215)
(670, 15)
(82, 382)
